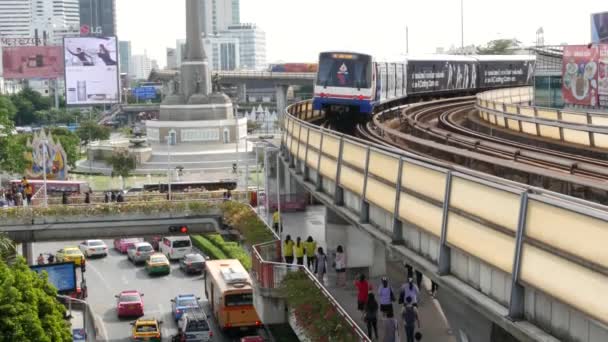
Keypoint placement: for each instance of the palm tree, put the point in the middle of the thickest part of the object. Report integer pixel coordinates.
(7, 248)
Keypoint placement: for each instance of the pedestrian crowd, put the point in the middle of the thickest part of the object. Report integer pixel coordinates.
(17, 194)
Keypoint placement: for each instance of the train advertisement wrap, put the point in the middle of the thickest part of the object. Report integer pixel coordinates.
(91, 70)
(506, 73)
(27, 62)
(603, 76)
(426, 76)
(61, 275)
(579, 73)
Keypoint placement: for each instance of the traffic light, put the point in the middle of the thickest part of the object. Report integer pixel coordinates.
(179, 229)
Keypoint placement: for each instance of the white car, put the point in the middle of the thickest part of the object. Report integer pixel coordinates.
(93, 248)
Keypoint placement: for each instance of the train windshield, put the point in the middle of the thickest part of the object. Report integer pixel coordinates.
(344, 70)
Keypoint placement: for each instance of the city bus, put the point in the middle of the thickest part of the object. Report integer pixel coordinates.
(57, 187)
(228, 289)
(224, 184)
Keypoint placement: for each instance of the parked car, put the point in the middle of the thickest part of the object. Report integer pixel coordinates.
(93, 247)
(139, 252)
(72, 254)
(181, 303)
(147, 329)
(175, 247)
(193, 263)
(154, 241)
(158, 264)
(129, 304)
(193, 326)
(122, 245)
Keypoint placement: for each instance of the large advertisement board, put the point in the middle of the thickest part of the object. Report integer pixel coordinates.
(579, 70)
(25, 62)
(599, 27)
(603, 76)
(508, 73)
(91, 70)
(424, 76)
(61, 275)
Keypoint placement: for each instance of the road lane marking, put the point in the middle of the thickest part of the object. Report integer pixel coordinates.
(101, 326)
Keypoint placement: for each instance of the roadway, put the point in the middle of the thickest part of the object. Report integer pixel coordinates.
(108, 276)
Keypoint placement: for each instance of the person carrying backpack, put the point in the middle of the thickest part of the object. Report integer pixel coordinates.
(410, 317)
(386, 297)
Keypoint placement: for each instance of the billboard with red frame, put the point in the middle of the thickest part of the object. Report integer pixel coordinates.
(579, 71)
(25, 62)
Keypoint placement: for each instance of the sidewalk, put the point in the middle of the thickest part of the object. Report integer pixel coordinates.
(434, 326)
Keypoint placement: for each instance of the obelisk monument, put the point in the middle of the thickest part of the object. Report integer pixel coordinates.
(195, 77)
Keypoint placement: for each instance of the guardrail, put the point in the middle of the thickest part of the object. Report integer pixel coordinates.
(269, 271)
(542, 240)
(268, 74)
(510, 109)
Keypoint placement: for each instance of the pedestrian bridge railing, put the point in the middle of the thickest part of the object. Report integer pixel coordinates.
(542, 241)
(511, 109)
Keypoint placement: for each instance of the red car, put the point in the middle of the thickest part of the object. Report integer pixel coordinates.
(129, 304)
(122, 245)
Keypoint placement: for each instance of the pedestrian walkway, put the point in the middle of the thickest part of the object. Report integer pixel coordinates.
(434, 326)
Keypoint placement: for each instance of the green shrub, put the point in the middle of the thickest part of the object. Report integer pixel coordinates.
(242, 218)
(207, 247)
(231, 249)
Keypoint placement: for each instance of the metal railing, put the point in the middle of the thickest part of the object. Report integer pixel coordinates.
(268, 74)
(268, 270)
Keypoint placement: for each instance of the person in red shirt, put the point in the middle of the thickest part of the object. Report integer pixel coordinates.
(363, 289)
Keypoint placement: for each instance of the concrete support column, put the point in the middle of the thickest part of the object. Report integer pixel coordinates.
(28, 252)
(364, 214)
(518, 292)
(281, 97)
(444, 250)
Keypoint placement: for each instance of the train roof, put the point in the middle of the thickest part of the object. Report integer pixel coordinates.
(346, 52)
(440, 57)
(484, 58)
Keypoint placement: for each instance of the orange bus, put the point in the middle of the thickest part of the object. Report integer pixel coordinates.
(228, 289)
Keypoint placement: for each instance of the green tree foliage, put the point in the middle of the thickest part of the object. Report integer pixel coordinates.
(56, 116)
(90, 130)
(70, 143)
(28, 102)
(499, 47)
(11, 151)
(29, 310)
(122, 164)
(7, 247)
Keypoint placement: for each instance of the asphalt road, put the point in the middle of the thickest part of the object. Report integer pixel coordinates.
(108, 276)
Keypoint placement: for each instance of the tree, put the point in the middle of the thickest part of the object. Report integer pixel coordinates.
(28, 102)
(122, 164)
(12, 158)
(499, 47)
(29, 310)
(70, 143)
(91, 131)
(7, 247)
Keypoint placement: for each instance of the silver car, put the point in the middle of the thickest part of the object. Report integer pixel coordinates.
(139, 252)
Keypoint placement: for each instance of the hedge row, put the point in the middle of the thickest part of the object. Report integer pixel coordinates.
(244, 219)
(207, 247)
(231, 249)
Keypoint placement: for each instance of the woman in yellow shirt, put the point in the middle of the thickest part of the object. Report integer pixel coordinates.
(311, 248)
(288, 249)
(299, 250)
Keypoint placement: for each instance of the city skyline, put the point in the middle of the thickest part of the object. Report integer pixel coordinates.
(359, 32)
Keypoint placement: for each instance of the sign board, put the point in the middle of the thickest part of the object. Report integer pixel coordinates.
(91, 70)
(144, 93)
(79, 335)
(579, 73)
(602, 79)
(26, 62)
(61, 275)
(599, 28)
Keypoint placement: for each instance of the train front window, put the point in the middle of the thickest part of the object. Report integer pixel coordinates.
(344, 70)
(239, 299)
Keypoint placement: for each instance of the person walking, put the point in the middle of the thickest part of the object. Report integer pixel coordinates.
(29, 192)
(418, 278)
(120, 198)
(40, 259)
(321, 264)
(386, 297)
(288, 249)
(371, 316)
(340, 266)
(410, 317)
(434, 288)
(411, 290)
(51, 258)
(106, 198)
(311, 247)
(363, 289)
(299, 251)
(275, 221)
(391, 328)
(87, 198)
(113, 196)
(64, 198)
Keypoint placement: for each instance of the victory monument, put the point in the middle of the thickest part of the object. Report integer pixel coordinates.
(195, 111)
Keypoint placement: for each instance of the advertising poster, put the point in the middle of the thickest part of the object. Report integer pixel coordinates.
(579, 73)
(62, 275)
(91, 70)
(426, 76)
(599, 28)
(506, 73)
(27, 62)
(603, 76)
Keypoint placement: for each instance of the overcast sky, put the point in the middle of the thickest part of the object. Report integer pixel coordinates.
(296, 31)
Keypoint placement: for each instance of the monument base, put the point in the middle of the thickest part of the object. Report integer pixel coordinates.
(202, 131)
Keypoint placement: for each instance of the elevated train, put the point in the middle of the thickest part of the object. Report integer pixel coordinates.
(354, 84)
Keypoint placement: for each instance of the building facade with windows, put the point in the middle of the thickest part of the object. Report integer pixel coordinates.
(142, 66)
(252, 45)
(15, 18)
(99, 16)
(57, 19)
(217, 15)
(124, 54)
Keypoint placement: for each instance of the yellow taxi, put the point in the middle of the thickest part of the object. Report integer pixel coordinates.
(146, 329)
(158, 263)
(72, 254)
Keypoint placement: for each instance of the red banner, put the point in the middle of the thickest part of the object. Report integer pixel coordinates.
(32, 62)
(602, 79)
(579, 71)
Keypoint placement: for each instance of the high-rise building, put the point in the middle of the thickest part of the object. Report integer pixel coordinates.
(124, 53)
(99, 16)
(252, 45)
(222, 52)
(217, 15)
(142, 66)
(57, 18)
(15, 18)
(171, 59)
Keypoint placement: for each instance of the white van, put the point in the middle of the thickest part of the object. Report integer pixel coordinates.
(175, 247)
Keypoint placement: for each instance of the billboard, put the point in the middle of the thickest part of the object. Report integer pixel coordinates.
(423, 76)
(91, 70)
(602, 79)
(26, 62)
(599, 28)
(505, 73)
(579, 73)
(61, 275)
(144, 93)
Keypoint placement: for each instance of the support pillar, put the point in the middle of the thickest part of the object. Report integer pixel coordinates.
(242, 93)
(27, 251)
(281, 99)
(518, 292)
